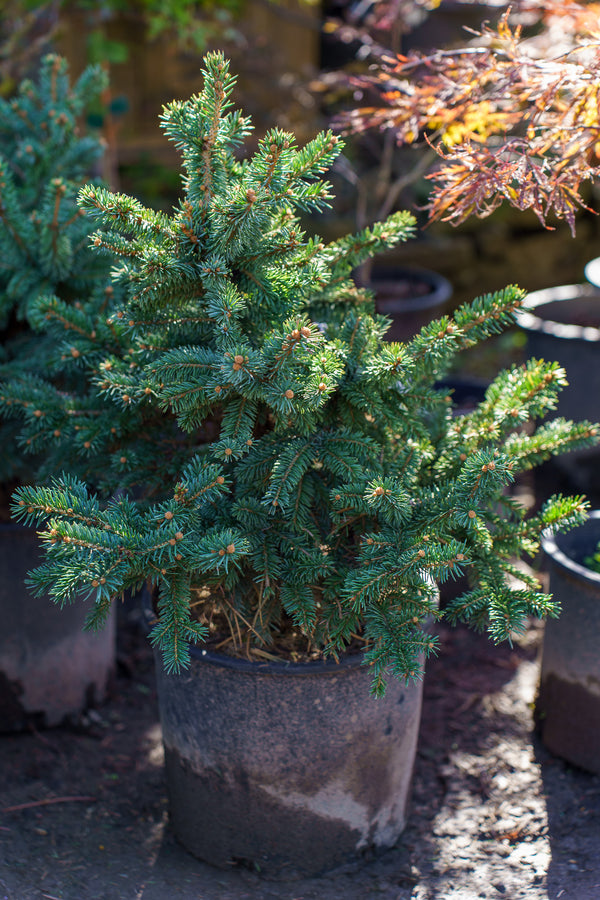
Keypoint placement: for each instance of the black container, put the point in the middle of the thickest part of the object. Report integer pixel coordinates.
(290, 769)
(411, 297)
(50, 669)
(567, 709)
(563, 325)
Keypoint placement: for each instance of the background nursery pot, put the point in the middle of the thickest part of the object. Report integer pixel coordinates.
(410, 296)
(563, 324)
(568, 704)
(50, 668)
(289, 768)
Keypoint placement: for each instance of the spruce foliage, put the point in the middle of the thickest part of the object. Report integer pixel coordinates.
(273, 462)
(45, 157)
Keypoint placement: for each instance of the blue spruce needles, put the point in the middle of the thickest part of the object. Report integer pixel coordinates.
(292, 480)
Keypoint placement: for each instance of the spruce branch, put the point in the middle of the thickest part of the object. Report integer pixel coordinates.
(274, 465)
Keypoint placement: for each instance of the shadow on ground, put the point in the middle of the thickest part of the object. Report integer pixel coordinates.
(84, 812)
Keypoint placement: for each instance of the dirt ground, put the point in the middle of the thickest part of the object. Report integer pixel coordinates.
(83, 811)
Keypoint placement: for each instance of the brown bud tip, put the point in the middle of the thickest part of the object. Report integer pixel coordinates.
(231, 548)
(168, 515)
(228, 451)
(421, 553)
(471, 513)
(289, 394)
(220, 479)
(38, 413)
(238, 359)
(379, 491)
(179, 535)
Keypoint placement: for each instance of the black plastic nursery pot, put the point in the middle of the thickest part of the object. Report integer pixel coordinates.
(50, 669)
(563, 325)
(290, 769)
(567, 709)
(411, 297)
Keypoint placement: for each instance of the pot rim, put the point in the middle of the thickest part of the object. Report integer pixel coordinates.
(592, 271)
(382, 276)
(200, 653)
(560, 558)
(327, 666)
(529, 321)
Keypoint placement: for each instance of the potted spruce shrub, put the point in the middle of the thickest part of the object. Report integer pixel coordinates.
(49, 668)
(290, 485)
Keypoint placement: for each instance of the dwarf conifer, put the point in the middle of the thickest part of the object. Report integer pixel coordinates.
(274, 464)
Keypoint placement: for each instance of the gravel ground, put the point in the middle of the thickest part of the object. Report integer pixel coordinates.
(83, 813)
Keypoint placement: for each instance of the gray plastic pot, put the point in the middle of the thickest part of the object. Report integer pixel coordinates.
(567, 709)
(290, 769)
(50, 669)
(563, 325)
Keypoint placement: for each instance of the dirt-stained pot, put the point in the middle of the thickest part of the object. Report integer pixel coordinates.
(50, 669)
(567, 709)
(562, 324)
(288, 768)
